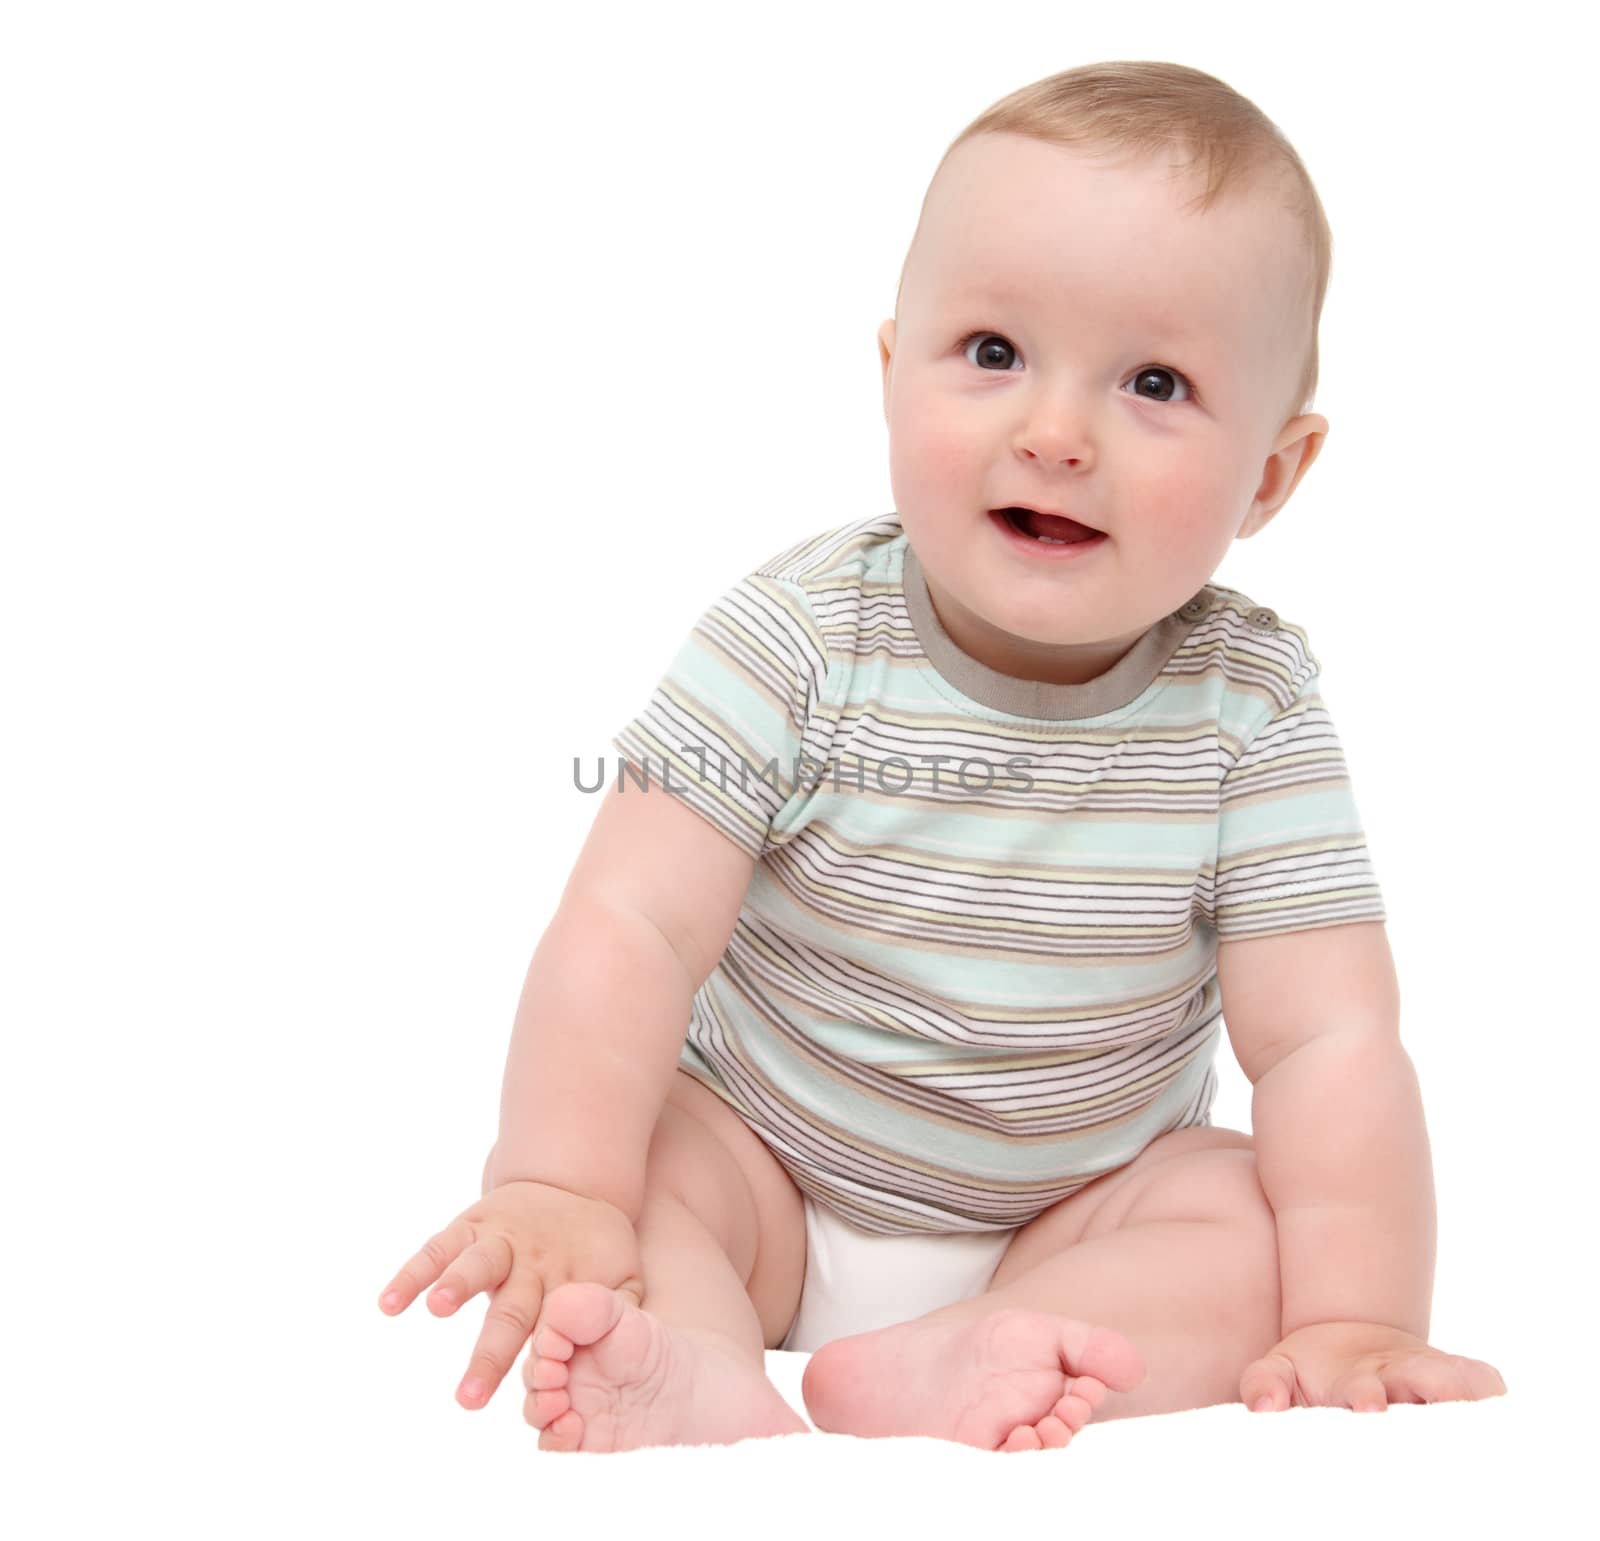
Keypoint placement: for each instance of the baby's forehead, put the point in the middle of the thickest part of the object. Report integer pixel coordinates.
(1229, 271)
(1011, 219)
(1179, 307)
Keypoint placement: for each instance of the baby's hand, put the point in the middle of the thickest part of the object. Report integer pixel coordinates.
(1363, 1366)
(519, 1241)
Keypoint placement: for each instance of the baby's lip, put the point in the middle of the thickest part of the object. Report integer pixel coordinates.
(1040, 508)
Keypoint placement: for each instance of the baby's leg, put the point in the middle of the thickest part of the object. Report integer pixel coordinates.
(703, 1155)
(698, 1237)
(723, 1257)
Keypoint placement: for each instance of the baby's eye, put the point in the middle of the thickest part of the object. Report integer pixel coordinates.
(1160, 374)
(993, 344)
(1000, 357)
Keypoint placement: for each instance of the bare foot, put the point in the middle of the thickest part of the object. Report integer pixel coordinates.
(605, 1375)
(1011, 1380)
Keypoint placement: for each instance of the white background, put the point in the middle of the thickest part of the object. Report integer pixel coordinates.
(387, 388)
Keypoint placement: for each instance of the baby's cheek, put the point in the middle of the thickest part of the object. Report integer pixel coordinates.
(929, 459)
(1186, 511)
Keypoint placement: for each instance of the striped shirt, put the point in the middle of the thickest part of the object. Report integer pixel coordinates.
(976, 965)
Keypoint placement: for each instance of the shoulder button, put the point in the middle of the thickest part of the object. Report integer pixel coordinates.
(1263, 619)
(1196, 608)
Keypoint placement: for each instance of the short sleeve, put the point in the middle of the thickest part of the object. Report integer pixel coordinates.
(736, 711)
(1291, 852)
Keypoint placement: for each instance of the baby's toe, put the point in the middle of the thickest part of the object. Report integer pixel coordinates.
(566, 1433)
(1077, 1406)
(550, 1344)
(1023, 1437)
(579, 1314)
(1053, 1433)
(544, 1407)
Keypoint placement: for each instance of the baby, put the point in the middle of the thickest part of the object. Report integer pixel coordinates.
(947, 846)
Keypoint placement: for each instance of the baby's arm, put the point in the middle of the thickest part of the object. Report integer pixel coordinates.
(1341, 1147)
(1342, 1155)
(643, 919)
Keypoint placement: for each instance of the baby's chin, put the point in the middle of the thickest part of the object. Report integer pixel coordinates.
(1049, 620)
(1088, 642)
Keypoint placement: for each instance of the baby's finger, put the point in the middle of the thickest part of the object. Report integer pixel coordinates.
(510, 1319)
(437, 1254)
(483, 1266)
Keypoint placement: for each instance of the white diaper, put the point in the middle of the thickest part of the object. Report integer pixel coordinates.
(858, 1281)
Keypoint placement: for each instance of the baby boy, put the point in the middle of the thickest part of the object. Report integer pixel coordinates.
(951, 842)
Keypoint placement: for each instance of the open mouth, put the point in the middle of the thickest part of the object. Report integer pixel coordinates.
(1046, 529)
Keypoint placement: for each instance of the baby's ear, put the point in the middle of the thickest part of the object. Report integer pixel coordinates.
(1257, 519)
(885, 350)
(1298, 445)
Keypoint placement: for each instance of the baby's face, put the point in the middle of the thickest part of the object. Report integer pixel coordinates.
(1129, 371)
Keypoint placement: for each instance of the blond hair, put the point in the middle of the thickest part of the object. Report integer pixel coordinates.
(1148, 108)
